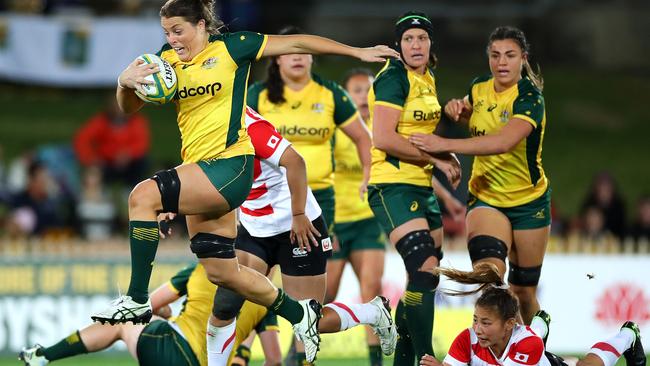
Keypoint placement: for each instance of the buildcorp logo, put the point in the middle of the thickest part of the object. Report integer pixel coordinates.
(621, 302)
(210, 89)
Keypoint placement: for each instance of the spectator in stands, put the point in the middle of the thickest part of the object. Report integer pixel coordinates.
(117, 143)
(95, 211)
(641, 227)
(35, 210)
(592, 224)
(604, 194)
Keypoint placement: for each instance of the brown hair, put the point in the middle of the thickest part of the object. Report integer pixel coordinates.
(517, 35)
(274, 82)
(193, 11)
(493, 296)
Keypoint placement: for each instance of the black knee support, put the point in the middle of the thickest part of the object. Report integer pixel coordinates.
(227, 303)
(485, 246)
(169, 186)
(524, 276)
(415, 247)
(206, 245)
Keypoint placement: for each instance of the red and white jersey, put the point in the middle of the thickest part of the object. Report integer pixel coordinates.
(525, 348)
(267, 209)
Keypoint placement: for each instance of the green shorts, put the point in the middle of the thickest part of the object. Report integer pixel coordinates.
(364, 234)
(531, 215)
(232, 177)
(325, 199)
(396, 203)
(160, 345)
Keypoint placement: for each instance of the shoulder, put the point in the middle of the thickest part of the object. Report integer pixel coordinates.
(393, 69)
(526, 88)
(326, 83)
(481, 79)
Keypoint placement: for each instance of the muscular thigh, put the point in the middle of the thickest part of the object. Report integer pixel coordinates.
(529, 246)
(214, 223)
(197, 194)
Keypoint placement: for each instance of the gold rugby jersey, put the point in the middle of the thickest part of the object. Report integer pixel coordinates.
(416, 97)
(517, 177)
(308, 120)
(211, 95)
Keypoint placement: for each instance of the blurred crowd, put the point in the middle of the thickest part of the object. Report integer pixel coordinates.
(80, 190)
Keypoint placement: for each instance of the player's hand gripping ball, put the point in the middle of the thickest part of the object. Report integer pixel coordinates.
(164, 85)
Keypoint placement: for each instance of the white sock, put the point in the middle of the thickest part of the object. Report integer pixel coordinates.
(220, 341)
(539, 327)
(610, 350)
(353, 315)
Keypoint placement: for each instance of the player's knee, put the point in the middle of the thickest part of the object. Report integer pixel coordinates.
(206, 245)
(524, 276)
(143, 195)
(415, 248)
(486, 246)
(169, 186)
(227, 304)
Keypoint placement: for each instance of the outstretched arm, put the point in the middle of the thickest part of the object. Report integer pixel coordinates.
(277, 45)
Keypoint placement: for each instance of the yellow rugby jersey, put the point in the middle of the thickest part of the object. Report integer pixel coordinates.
(416, 97)
(517, 177)
(308, 120)
(347, 179)
(211, 95)
(193, 318)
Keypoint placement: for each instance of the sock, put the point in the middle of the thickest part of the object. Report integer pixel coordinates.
(143, 237)
(419, 308)
(404, 354)
(610, 350)
(287, 308)
(220, 341)
(355, 314)
(375, 355)
(70, 346)
(539, 327)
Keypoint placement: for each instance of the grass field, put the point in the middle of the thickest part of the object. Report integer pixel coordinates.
(108, 360)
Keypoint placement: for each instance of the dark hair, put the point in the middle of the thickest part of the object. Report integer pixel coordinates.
(274, 82)
(193, 11)
(493, 296)
(517, 35)
(423, 22)
(354, 72)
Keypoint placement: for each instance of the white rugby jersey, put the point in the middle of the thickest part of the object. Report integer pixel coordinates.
(525, 348)
(267, 209)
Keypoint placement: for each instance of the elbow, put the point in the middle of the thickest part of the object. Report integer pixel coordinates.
(379, 142)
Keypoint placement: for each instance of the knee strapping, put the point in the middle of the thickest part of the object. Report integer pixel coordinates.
(485, 246)
(524, 276)
(169, 186)
(227, 304)
(415, 248)
(206, 245)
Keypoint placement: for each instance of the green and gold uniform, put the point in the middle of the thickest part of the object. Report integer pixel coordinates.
(160, 342)
(400, 191)
(512, 182)
(308, 120)
(355, 225)
(210, 104)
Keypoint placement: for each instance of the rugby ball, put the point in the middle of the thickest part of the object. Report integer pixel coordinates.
(163, 86)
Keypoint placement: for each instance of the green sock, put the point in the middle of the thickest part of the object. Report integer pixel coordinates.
(419, 308)
(143, 237)
(287, 308)
(67, 347)
(376, 358)
(404, 354)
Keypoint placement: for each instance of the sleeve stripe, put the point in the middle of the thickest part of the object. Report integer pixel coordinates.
(450, 360)
(350, 120)
(526, 118)
(390, 105)
(262, 47)
(274, 328)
